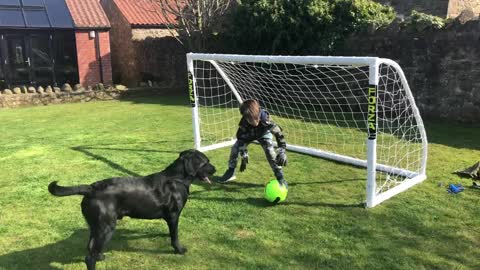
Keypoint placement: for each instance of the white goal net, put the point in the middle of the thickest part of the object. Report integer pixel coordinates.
(357, 110)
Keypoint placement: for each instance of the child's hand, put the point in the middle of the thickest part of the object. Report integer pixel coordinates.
(281, 157)
(243, 165)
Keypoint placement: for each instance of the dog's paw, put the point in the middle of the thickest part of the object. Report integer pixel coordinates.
(180, 250)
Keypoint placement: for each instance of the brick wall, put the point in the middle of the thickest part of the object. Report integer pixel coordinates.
(142, 54)
(86, 56)
(123, 56)
(159, 57)
(88, 62)
(104, 39)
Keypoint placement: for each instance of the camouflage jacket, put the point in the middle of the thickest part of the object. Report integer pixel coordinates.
(249, 133)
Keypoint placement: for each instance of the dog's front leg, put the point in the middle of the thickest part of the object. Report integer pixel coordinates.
(172, 222)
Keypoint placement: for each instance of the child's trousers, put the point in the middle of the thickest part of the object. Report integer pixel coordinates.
(266, 141)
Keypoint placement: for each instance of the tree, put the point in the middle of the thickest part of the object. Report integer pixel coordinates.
(195, 21)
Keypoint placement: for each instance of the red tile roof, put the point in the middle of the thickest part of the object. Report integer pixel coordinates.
(88, 14)
(143, 12)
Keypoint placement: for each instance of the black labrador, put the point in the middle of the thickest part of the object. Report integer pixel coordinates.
(160, 195)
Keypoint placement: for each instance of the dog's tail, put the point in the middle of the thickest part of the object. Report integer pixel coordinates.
(67, 191)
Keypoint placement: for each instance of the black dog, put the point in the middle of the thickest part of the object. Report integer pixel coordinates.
(160, 195)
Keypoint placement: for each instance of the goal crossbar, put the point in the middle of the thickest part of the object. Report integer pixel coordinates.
(320, 60)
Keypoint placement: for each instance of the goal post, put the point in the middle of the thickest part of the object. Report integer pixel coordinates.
(354, 110)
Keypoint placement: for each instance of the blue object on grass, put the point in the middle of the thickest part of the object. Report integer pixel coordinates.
(455, 188)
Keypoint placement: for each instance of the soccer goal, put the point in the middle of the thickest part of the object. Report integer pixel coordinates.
(355, 110)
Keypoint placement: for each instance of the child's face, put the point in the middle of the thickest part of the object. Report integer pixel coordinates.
(253, 121)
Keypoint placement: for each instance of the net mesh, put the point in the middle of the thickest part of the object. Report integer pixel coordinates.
(322, 107)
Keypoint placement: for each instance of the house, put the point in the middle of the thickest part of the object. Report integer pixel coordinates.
(143, 48)
(51, 42)
(440, 8)
(92, 41)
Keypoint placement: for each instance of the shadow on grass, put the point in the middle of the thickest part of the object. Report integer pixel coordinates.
(260, 202)
(110, 163)
(73, 250)
(234, 185)
(464, 136)
(157, 97)
(87, 150)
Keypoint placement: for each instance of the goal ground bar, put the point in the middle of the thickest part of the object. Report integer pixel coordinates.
(327, 155)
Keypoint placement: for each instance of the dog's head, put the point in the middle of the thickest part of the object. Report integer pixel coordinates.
(196, 164)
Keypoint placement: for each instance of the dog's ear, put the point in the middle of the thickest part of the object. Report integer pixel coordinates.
(183, 154)
(192, 162)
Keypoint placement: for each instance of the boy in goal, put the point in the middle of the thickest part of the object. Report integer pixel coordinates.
(255, 124)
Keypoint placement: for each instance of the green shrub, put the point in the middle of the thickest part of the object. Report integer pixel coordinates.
(420, 21)
(299, 26)
(367, 13)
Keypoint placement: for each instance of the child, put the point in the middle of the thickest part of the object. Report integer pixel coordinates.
(256, 125)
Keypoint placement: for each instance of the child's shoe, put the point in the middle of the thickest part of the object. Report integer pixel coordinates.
(228, 176)
(282, 182)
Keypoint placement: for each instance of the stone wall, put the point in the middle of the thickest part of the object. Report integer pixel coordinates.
(33, 96)
(442, 66)
(405, 7)
(440, 8)
(9, 99)
(456, 7)
(144, 33)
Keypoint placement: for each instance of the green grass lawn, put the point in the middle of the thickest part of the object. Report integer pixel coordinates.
(322, 225)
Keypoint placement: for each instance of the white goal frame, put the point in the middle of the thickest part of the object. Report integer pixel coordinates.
(373, 197)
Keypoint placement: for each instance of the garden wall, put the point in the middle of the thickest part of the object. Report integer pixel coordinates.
(31, 96)
(159, 57)
(440, 8)
(442, 66)
(405, 7)
(123, 57)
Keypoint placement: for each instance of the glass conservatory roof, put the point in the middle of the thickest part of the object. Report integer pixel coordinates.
(35, 14)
